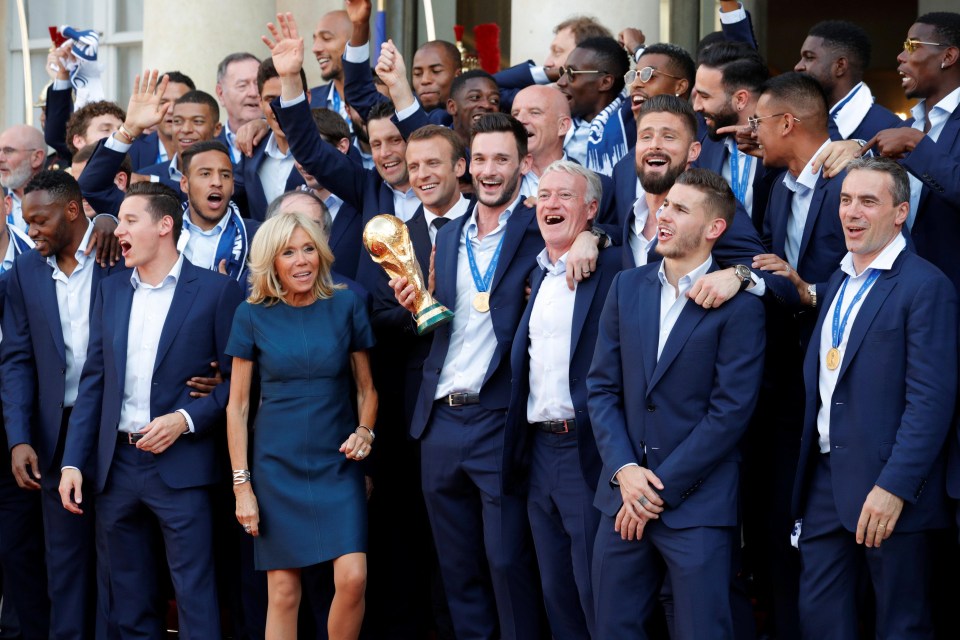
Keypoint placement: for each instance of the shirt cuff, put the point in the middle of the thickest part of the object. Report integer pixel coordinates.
(759, 285)
(406, 112)
(539, 75)
(613, 480)
(357, 54)
(186, 416)
(730, 17)
(61, 85)
(65, 467)
(290, 103)
(116, 145)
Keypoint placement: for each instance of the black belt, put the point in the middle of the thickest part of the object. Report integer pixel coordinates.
(460, 399)
(129, 438)
(556, 426)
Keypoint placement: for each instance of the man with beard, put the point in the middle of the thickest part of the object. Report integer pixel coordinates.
(670, 392)
(22, 154)
(663, 68)
(666, 145)
(728, 85)
(592, 81)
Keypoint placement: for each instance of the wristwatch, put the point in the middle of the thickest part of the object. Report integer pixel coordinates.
(746, 276)
(603, 240)
(812, 292)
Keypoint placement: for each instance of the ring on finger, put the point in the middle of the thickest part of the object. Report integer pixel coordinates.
(643, 501)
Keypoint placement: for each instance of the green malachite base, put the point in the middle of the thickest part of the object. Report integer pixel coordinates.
(432, 317)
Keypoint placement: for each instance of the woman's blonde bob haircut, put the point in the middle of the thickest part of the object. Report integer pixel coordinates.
(271, 238)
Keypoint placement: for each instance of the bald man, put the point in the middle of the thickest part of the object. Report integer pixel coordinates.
(545, 113)
(329, 39)
(22, 154)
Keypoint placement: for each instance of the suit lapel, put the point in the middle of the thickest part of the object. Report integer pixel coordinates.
(124, 301)
(583, 298)
(868, 311)
(47, 291)
(513, 235)
(183, 297)
(446, 262)
(819, 192)
(647, 313)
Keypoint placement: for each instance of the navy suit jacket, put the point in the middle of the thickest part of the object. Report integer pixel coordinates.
(162, 171)
(738, 245)
(894, 399)
(588, 303)
(713, 156)
(144, 151)
(194, 334)
(59, 108)
(33, 355)
(249, 167)
(362, 95)
(877, 119)
(96, 181)
(936, 229)
(682, 415)
(518, 256)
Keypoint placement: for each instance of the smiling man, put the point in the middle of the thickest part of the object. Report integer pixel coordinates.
(237, 92)
(671, 389)
(329, 39)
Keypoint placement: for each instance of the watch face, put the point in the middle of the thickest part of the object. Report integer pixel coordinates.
(743, 272)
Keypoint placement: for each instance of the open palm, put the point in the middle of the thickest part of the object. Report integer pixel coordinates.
(286, 46)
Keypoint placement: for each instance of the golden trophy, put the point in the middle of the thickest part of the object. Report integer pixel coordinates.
(388, 242)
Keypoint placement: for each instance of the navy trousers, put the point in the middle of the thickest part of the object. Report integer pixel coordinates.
(21, 556)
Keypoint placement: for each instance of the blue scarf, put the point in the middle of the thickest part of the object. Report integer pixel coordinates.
(21, 241)
(233, 246)
(607, 142)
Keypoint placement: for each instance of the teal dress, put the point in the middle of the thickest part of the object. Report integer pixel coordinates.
(312, 499)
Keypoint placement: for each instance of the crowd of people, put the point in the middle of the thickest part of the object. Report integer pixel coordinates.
(700, 379)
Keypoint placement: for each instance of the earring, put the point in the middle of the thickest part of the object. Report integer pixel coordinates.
(942, 65)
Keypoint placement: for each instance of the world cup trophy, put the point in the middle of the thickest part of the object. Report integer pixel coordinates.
(388, 242)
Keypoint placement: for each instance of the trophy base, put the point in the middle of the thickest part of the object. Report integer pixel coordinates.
(432, 317)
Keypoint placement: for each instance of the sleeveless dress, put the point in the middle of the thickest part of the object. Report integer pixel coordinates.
(311, 498)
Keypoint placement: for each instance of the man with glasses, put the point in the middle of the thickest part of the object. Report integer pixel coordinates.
(928, 145)
(592, 80)
(22, 154)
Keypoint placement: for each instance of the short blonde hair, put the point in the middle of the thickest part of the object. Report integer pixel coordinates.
(271, 238)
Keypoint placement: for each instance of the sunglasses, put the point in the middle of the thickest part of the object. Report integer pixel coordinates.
(754, 121)
(910, 45)
(572, 74)
(645, 75)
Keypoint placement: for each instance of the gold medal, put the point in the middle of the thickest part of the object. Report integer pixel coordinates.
(833, 358)
(481, 302)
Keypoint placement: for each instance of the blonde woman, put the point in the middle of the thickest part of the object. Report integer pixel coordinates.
(303, 498)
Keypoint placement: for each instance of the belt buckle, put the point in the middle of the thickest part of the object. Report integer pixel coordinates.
(451, 402)
(134, 438)
(566, 427)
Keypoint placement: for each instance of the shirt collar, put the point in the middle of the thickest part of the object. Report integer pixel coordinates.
(501, 219)
(172, 170)
(170, 279)
(273, 150)
(948, 105)
(560, 268)
(406, 195)
(192, 228)
(455, 211)
(79, 255)
(884, 261)
(686, 281)
(806, 178)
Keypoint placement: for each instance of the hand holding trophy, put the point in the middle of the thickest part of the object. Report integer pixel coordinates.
(388, 242)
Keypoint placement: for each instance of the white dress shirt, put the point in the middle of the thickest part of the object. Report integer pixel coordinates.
(551, 324)
(939, 115)
(73, 303)
(639, 244)
(275, 169)
(530, 182)
(472, 339)
(235, 154)
(855, 106)
(333, 202)
(148, 314)
(200, 247)
(673, 300)
(405, 203)
(827, 381)
(802, 187)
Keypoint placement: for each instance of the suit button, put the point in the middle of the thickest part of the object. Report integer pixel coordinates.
(651, 408)
(61, 405)
(438, 371)
(63, 371)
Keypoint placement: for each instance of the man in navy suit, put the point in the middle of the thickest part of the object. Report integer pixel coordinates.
(549, 361)
(928, 144)
(671, 390)
(881, 381)
(153, 446)
(50, 294)
(329, 38)
(237, 92)
(728, 85)
(270, 172)
(836, 53)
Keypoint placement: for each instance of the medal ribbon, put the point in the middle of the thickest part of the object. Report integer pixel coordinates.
(840, 327)
(483, 284)
(737, 182)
